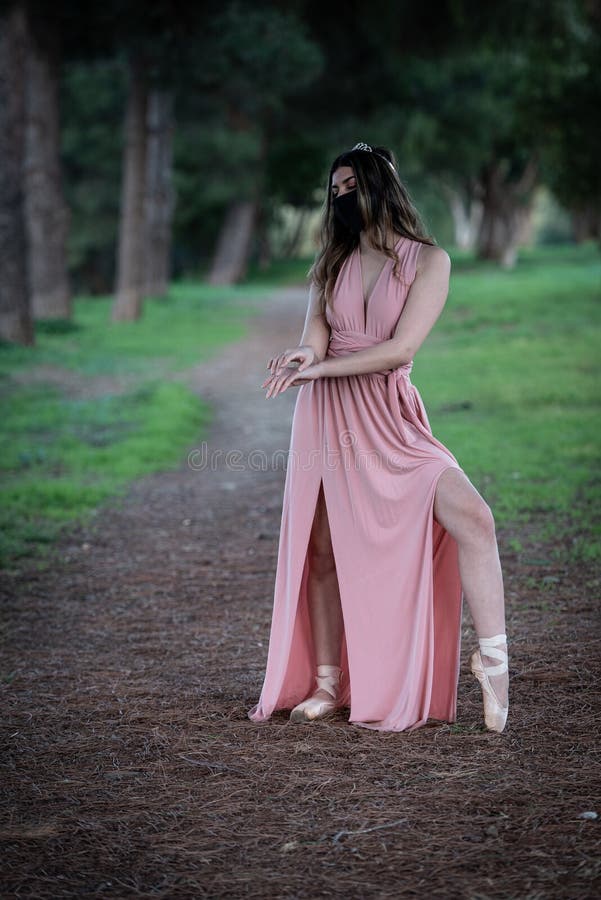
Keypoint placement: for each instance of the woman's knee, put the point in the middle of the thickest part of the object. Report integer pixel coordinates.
(462, 510)
(475, 523)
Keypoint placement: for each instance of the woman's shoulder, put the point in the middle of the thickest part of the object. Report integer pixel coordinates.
(431, 256)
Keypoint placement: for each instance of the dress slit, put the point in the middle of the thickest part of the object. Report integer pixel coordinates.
(302, 646)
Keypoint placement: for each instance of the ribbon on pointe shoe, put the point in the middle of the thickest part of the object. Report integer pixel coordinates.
(495, 715)
(328, 680)
(488, 648)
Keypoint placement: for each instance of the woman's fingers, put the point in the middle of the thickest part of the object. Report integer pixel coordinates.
(295, 354)
(278, 381)
(277, 384)
(273, 388)
(276, 362)
(271, 378)
(282, 375)
(283, 366)
(287, 358)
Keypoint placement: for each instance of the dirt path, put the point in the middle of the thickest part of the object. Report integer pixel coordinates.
(131, 768)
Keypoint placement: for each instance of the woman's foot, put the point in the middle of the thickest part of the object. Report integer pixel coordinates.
(489, 665)
(325, 699)
(499, 683)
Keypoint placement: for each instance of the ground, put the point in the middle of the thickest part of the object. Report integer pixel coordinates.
(132, 769)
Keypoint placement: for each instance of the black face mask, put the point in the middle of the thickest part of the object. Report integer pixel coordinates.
(346, 209)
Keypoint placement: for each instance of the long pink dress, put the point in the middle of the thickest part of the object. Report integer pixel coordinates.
(368, 438)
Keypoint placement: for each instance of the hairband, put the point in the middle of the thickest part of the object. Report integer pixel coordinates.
(366, 147)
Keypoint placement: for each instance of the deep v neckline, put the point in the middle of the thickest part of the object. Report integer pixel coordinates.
(366, 303)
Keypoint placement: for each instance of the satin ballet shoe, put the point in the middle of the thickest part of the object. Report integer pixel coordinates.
(495, 715)
(328, 680)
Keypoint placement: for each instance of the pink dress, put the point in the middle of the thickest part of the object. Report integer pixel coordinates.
(368, 438)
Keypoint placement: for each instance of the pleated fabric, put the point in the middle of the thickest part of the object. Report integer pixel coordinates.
(368, 439)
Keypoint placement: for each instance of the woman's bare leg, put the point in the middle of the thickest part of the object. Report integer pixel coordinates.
(464, 513)
(323, 593)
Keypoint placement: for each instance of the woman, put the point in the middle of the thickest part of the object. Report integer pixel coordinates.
(382, 533)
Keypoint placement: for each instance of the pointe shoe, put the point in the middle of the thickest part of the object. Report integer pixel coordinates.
(495, 715)
(328, 679)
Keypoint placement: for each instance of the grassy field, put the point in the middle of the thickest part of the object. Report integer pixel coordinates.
(509, 375)
(94, 405)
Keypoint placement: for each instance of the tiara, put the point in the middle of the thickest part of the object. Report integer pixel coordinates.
(362, 146)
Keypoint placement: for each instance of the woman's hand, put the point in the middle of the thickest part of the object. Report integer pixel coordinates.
(304, 355)
(284, 376)
(289, 377)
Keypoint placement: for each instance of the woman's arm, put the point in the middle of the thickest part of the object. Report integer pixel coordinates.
(424, 304)
(310, 352)
(316, 332)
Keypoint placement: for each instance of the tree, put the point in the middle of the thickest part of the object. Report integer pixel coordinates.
(15, 315)
(467, 98)
(47, 215)
(254, 61)
(160, 195)
(132, 225)
(563, 103)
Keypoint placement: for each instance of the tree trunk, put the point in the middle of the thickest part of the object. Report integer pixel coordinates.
(231, 258)
(15, 316)
(526, 227)
(47, 215)
(291, 247)
(507, 206)
(160, 197)
(466, 212)
(127, 305)
(230, 263)
(264, 250)
(586, 222)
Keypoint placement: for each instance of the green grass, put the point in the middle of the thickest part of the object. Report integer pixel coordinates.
(65, 457)
(62, 456)
(189, 324)
(521, 347)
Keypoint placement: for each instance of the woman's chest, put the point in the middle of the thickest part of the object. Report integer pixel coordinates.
(369, 298)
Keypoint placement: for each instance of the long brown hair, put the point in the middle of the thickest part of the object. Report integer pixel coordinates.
(385, 205)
